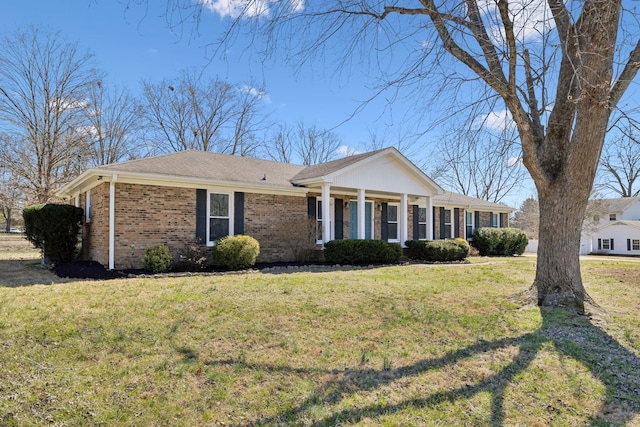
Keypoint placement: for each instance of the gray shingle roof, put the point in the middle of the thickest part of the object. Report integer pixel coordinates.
(617, 205)
(455, 199)
(217, 167)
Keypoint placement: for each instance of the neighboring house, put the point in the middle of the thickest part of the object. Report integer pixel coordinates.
(615, 229)
(182, 197)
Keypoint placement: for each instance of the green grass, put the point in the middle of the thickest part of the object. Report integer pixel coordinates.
(406, 345)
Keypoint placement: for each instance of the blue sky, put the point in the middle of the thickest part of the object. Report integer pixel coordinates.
(133, 44)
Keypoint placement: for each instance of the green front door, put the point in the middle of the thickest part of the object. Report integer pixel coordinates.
(353, 217)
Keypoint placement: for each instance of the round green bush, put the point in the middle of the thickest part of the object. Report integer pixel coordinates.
(500, 241)
(157, 259)
(237, 252)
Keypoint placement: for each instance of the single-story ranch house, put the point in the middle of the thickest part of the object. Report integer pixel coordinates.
(189, 196)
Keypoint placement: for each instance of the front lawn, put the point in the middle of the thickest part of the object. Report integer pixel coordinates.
(404, 345)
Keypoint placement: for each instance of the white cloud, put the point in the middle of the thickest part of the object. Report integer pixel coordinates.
(514, 161)
(346, 151)
(246, 8)
(530, 18)
(496, 120)
(258, 93)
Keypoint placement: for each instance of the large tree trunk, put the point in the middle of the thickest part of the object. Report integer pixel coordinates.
(558, 280)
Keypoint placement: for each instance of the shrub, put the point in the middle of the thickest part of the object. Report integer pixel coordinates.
(438, 250)
(500, 241)
(157, 259)
(237, 252)
(53, 228)
(348, 252)
(193, 256)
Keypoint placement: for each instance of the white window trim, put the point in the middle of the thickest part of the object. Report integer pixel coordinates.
(495, 220)
(332, 213)
(87, 207)
(425, 223)
(466, 224)
(449, 224)
(397, 222)
(635, 246)
(231, 214)
(608, 244)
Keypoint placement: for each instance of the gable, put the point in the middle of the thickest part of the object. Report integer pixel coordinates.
(384, 174)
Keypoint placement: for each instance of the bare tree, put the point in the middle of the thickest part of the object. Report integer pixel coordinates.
(620, 164)
(481, 164)
(10, 196)
(308, 145)
(43, 89)
(113, 124)
(193, 113)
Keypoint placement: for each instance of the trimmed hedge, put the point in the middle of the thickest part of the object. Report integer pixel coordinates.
(353, 252)
(53, 228)
(236, 252)
(500, 241)
(437, 250)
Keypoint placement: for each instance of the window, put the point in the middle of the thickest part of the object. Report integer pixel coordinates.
(422, 223)
(219, 216)
(87, 206)
(319, 221)
(447, 224)
(468, 221)
(392, 222)
(605, 244)
(495, 220)
(612, 217)
(635, 244)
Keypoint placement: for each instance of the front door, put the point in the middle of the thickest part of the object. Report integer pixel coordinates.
(353, 218)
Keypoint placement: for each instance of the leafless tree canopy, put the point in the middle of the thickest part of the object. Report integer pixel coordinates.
(481, 164)
(193, 113)
(44, 82)
(113, 125)
(620, 164)
(308, 145)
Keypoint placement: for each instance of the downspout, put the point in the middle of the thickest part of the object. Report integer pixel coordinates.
(112, 220)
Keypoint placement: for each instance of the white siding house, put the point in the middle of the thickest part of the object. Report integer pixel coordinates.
(617, 229)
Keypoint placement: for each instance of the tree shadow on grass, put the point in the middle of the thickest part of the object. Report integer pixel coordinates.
(571, 336)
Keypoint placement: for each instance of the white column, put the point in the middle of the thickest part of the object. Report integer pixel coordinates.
(326, 213)
(404, 219)
(361, 215)
(112, 221)
(429, 218)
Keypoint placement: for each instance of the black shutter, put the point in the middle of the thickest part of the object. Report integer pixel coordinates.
(433, 220)
(491, 224)
(238, 213)
(456, 222)
(628, 244)
(201, 215)
(311, 207)
(338, 214)
(416, 227)
(442, 231)
(599, 244)
(476, 220)
(384, 232)
(501, 220)
(611, 244)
